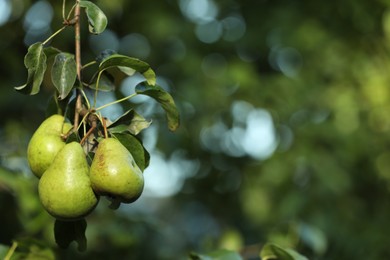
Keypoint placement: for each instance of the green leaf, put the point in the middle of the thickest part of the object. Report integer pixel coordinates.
(130, 121)
(67, 231)
(271, 251)
(136, 148)
(51, 51)
(123, 62)
(165, 100)
(63, 73)
(96, 18)
(222, 254)
(35, 63)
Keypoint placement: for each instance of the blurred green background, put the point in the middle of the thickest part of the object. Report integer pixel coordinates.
(284, 137)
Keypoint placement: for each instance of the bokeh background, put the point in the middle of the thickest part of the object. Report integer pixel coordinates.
(284, 137)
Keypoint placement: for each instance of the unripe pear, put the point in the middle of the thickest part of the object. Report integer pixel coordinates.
(45, 143)
(65, 188)
(114, 172)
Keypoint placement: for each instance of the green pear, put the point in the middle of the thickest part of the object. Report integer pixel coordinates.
(65, 188)
(114, 172)
(45, 143)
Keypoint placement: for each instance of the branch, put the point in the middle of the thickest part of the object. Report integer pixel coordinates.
(78, 107)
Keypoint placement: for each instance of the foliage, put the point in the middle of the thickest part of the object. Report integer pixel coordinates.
(313, 74)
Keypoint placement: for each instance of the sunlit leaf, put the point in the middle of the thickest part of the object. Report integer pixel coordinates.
(274, 252)
(96, 18)
(165, 100)
(130, 121)
(136, 148)
(66, 232)
(123, 62)
(63, 73)
(35, 63)
(217, 255)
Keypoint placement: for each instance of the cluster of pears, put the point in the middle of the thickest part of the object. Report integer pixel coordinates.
(69, 188)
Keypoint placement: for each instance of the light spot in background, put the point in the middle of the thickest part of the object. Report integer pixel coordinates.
(209, 32)
(233, 28)
(5, 11)
(112, 112)
(240, 111)
(135, 45)
(165, 177)
(128, 88)
(38, 17)
(286, 60)
(252, 133)
(214, 65)
(199, 11)
(106, 40)
(37, 22)
(259, 140)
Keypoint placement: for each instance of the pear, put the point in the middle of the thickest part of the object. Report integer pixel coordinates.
(45, 143)
(65, 188)
(114, 172)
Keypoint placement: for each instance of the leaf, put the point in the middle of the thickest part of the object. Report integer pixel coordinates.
(136, 148)
(35, 63)
(96, 18)
(67, 231)
(122, 62)
(130, 121)
(272, 251)
(222, 254)
(165, 100)
(63, 73)
(51, 51)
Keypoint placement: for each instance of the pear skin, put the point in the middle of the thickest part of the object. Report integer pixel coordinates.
(114, 172)
(65, 188)
(45, 143)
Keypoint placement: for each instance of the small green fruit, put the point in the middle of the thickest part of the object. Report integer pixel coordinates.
(65, 188)
(114, 172)
(45, 143)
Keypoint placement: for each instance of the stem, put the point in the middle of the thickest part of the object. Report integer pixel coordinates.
(89, 64)
(105, 128)
(78, 107)
(54, 34)
(77, 40)
(116, 101)
(97, 88)
(11, 251)
(63, 9)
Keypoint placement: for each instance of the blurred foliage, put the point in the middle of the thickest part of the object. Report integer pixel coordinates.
(318, 182)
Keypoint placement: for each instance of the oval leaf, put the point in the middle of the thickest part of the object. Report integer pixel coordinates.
(96, 18)
(35, 63)
(131, 122)
(274, 252)
(63, 73)
(165, 100)
(122, 62)
(136, 148)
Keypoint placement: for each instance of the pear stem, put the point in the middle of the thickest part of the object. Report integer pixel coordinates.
(90, 131)
(105, 127)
